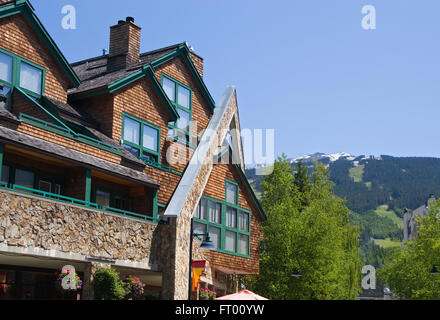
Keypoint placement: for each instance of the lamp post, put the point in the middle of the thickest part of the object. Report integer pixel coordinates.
(434, 271)
(206, 245)
(296, 274)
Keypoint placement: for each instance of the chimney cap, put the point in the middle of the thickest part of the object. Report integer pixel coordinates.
(129, 19)
(121, 21)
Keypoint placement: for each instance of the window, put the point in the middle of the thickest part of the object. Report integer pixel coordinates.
(243, 244)
(228, 225)
(183, 122)
(48, 183)
(215, 212)
(111, 198)
(131, 131)
(183, 97)
(243, 221)
(180, 95)
(201, 210)
(24, 178)
(5, 91)
(5, 174)
(30, 78)
(45, 186)
(199, 228)
(133, 150)
(57, 189)
(18, 72)
(231, 217)
(32, 178)
(150, 138)
(122, 203)
(102, 198)
(6, 67)
(231, 192)
(170, 88)
(215, 236)
(230, 242)
(141, 138)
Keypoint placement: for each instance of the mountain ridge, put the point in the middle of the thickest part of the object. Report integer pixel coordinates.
(367, 182)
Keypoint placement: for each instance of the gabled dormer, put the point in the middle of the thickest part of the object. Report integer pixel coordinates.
(30, 58)
(145, 101)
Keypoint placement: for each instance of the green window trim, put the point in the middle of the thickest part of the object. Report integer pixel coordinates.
(16, 66)
(222, 226)
(173, 125)
(141, 147)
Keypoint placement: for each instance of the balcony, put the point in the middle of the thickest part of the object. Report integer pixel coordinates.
(64, 199)
(53, 178)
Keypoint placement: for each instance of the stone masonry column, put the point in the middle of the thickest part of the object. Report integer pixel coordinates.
(188, 194)
(89, 271)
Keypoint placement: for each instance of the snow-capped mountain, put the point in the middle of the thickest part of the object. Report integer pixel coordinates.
(322, 157)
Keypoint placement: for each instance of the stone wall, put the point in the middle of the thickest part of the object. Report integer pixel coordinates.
(27, 221)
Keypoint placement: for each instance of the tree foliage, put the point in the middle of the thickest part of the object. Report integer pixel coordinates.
(307, 230)
(409, 271)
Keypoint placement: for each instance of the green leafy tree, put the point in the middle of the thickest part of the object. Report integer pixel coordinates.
(302, 181)
(408, 273)
(312, 237)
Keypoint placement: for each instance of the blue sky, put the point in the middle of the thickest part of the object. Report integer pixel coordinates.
(305, 68)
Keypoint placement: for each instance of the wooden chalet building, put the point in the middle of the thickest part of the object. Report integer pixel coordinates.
(106, 162)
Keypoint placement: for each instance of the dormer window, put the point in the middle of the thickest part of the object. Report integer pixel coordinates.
(30, 77)
(5, 68)
(141, 138)
(180, 95)
(18, 72)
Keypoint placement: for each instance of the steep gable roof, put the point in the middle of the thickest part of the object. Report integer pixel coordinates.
(23, 6)
(96, 79)
(190, 188)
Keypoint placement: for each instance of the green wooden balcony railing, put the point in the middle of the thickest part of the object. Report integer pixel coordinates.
(65, 199)
(53, 196)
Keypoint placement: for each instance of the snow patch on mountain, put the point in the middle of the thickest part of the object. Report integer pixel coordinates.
(332, 157)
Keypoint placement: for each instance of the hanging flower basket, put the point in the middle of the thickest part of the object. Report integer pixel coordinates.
(134, 288)
(68, 280)
(206, 294)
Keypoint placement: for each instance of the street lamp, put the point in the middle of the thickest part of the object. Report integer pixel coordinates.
(296, 274)
(434, 270)
(206, 245)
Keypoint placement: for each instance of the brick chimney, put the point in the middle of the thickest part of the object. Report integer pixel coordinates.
(125, 42)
